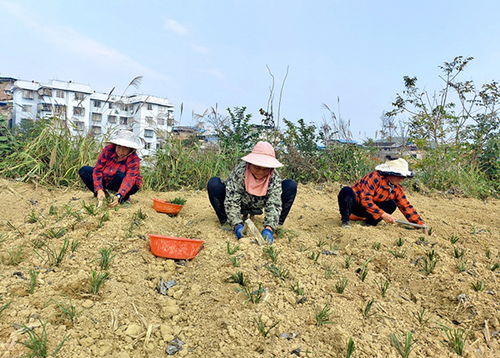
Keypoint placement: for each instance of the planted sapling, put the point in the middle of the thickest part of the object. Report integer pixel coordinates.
(53, 210)
(254, 296)
(399, 254)
(278, 271)
(314, 255)
(461, 266)
(321, 243)
(329, 272)
(367, 310)
(37, 342)
(376, 245)
(235, 261)
(363, 272)
(383, 285)
(238, 278)
(341, 285)
(96, 281)
(458, 253)
(271, 253)
(299, 290)
(350, 348)
(347, 261)
(32, 283)
(404, 350)
(456, 340)
(478, 286)
(106, 257)
(323, 316)
(68, 310)
(454, 239)
(429, 262)
(263, 329)
(178, 201)
(74, 245)
(421, 316)
(231, 250)
(32, 217)
(90, 209)
(400, 242)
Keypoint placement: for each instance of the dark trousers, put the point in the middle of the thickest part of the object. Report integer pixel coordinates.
(217, 194)
(86, 175)
(348, 205)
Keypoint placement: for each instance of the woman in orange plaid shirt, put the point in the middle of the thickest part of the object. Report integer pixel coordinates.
(376, 196)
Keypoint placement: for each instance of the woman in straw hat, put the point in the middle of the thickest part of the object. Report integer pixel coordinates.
(253, 185)
(376, 196)
(117, 169)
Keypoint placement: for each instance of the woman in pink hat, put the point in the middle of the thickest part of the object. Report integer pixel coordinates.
(252, 186)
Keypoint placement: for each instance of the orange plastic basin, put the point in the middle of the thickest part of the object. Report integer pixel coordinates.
(163, 206)
(174, 247)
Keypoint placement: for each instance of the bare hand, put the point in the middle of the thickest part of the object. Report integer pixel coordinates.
(114, 202)
(100, 197)
(388, 218)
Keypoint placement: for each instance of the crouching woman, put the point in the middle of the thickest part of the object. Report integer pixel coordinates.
(376, 196)
(117, 169)
(253, 185)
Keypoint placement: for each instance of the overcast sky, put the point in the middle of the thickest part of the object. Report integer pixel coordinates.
(205, 52)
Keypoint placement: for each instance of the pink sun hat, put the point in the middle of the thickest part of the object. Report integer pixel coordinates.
(263, 156)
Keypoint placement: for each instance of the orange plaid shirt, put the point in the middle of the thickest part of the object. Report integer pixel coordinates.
(374, 187)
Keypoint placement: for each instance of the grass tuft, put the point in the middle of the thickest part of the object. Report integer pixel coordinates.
(341, 285)
(96, 281)
(323, 316)
(106, 258)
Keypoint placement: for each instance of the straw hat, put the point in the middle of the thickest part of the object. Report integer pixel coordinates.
(125, 139)
(263, 156)
(397, 167)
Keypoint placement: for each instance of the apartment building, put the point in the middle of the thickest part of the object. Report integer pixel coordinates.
(85, 111)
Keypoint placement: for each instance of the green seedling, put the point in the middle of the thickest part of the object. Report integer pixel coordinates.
(347, 261)
(278, 272)
(323, 316)
(235, 261)
(254, 296)
(53, 210)
(74, 245)
(403, 350)
(350, 348)
(461, 266)
(363, 272)
(286, 233)
(54, 233)
(399, 254)
(96, 281)
(299, 291)
(38, 243)
(478, 286)
(400, 242)
(90, 209)
(376, 245)
(263, 329)
(4, 307)
(37, 342)
(429, 262)
(321, 243)
(238, 278)
(32, 283)
(271, 253)
(495, 267)
(56, 257)
(421, 316)
(15, 228)
(106, 258)
(458, 253)
(104, 217)
(454, 239)
(341, 285)
(178, 201)
(140, 215)
(367, 310)
(383, 285)
(456, 340)
(303, 248)
(15, 256)
(314, 256)
(68, 310)
(32, 217)
(231, 250)
(329, 272)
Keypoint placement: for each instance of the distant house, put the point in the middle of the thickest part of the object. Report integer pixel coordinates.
(6, 102)
(396, 147)
(185, 132)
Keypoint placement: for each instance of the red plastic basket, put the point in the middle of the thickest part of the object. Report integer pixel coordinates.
(166, 207)
(174, 247)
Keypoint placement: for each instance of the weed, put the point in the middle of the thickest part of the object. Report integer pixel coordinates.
(314, 256)
(478, 286)
(96, 281)
(323, 316)
(487, 252)
(254, 296)
(367, 310)
(53, 210)
(32, 217)
(404, 351)
(54, 233)
(454, 239)
(106, 257)
(235, 261)
(32, 285)
(271, 253)
(383, 285)
(400, 242)
(456, 339)
(495, 266)
(68, 310)
(104, 217)
(299, 291)
(15, 256)
(376, 245)
(429, 262)
(74, 245)
(399, 254)
(178, 201)
(350, 348)
(421, 316)
(341, 285)
(37, 342)
(238, 278)
(347, 261)
(458, 253)
(231, 250)
(261, 326)
(278, 272)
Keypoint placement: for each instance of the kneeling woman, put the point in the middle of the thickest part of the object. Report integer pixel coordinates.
(376, 196)
(252, 186)
(117, 169)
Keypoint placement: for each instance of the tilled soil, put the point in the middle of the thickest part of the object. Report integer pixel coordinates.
(213, 317)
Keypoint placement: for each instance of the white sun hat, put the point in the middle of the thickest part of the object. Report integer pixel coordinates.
(126, 139)
(397, 167)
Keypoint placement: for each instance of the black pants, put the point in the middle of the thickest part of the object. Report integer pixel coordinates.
(217, 194)
(86, 175)
(348, 205)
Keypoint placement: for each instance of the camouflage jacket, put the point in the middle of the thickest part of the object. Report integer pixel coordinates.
(237, 198)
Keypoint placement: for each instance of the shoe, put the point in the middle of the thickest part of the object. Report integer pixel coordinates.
(226, 227)
(346, 224)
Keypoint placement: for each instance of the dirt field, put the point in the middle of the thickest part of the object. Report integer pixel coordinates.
(214, 318)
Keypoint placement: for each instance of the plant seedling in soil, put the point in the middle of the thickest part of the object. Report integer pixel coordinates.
(456, 340)
(429, 262)
(399, 254)
(254, 296)
(139, 215)
(376, 245)
(271, 253)
(454, 239)
(263, 329)
(478, 286)
(458, 253)
(323, 316)
(104, 217)
(299, 291)
(90, 209)
(238, 278)
(400, 242)
(495, 267)
(32, 217)
(421, 316)
(68, 310)
(383, 285)
(363, 272)
(487, 252)
(341, 285)
(56, 257)
(106, 257)
(367, 310)
(235, 261)
(32, 284)
(321, 243)
(37, 342)
(96, 281)
(38, 243)
(329, 271)
(278, 272)
(4, 307)
(15, 256)
(461, 266)
(403, 350)
(231, 250)
(74, 245)
(53, 210)
(314, 256)
(350, 348)
(178, 201)
(54, 233)
(347, 261)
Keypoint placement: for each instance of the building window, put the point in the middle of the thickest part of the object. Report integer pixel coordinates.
(96, 117)
(27, 107)
(27, 94)
(79, 96)
(78, 111)
(149, 133)
(162, 109)
(59, 93)
(96, 130)
(161, 121)
(147, 145)
(80, 126)
(111, 119)
(149, 120)
(170, 122)
(110, 105)
(150, 107)
(60, 109)
(123, 121)
(97, 104)
(46, 91)
(44, 107)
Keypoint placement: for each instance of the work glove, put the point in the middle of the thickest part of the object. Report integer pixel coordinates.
(268, 235)
(238, 231)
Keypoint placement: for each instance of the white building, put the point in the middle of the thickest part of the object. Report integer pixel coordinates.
(84, 111)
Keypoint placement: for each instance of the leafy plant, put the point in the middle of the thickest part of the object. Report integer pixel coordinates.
(383, 286)
(263, 329)
(462, 266)
(400, 242)
(399, 254)
(54, 233)
(286, 233)
(458, 253)
(74, 245)
(429, 262)
(178, 201)
(37, 342)
(478, 286)
(314, 256)
(367, 310)
(140, 215)
(68, 310)
(350, 348)
(323, 316)
(96, 281)
(104, 218)
(106, 258)
(231, 250)
(341, 285)
(254, 296)
(53, 210)
(456, 339)
(329, 271)
(347, 261)
(363, 272)
(321, 243)
(32, 217)
(376, 245)
(421, 316)
(235, 261)
(404, 350)
(90, 208)
(271, 253)
(32, 284)
(454, 239)
(238, 278)
(278, 271)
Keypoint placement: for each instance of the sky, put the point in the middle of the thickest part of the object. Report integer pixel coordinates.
(349, 55)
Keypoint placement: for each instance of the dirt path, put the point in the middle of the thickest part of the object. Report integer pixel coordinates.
(214, 318)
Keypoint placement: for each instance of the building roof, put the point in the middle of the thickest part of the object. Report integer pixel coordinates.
(149, 99)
